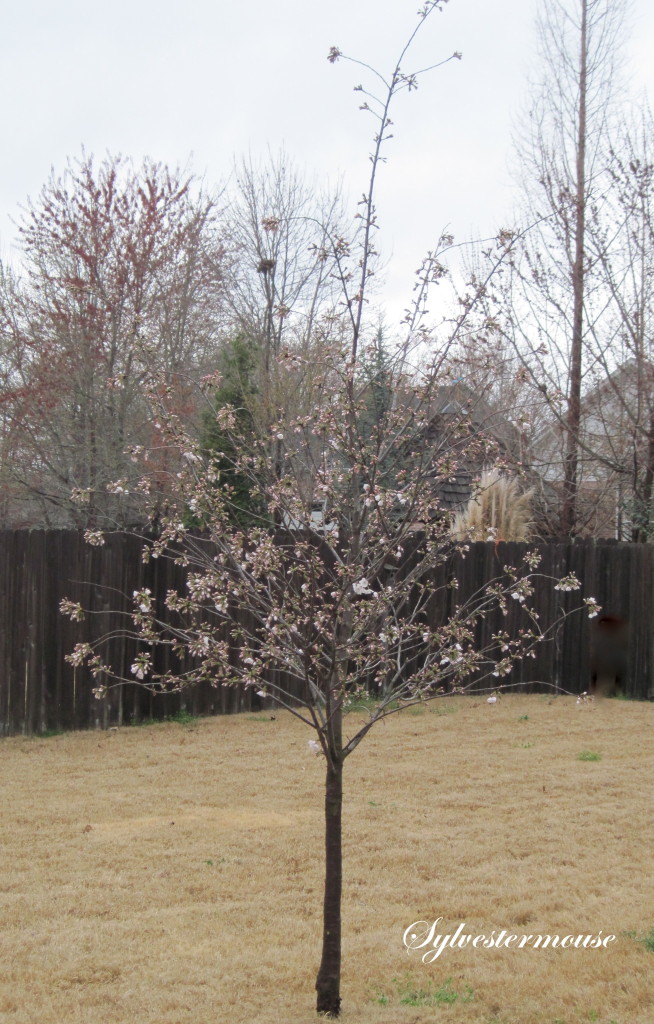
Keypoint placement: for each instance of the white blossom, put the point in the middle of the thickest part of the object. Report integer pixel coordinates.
(72, 609)
(362, 587)
(143, 598)
(94, 537)
(569, 582)
(592, 607)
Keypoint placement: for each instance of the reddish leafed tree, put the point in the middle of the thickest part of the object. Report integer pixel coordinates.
(121, 273)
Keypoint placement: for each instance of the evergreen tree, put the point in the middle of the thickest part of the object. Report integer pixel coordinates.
(237, 393)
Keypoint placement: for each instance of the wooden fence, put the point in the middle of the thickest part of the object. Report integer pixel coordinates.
(40, 691)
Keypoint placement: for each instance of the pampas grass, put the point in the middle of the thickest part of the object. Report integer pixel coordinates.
(498, 511)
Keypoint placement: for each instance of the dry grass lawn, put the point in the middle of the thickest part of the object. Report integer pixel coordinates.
(172, 874)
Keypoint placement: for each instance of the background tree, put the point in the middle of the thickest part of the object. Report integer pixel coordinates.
(552, 297)
(237, 367)
(122, 273)
(281, 289)
(618, 428)
(378, 373)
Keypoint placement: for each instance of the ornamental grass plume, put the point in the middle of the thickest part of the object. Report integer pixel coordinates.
(498, 510)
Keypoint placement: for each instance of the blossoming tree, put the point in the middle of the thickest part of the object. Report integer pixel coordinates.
(328, 590)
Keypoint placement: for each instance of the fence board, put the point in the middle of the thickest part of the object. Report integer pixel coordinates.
(40, 691)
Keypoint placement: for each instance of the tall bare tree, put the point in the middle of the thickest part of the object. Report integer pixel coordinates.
(618, 427)
(279, 226)
(564, 153)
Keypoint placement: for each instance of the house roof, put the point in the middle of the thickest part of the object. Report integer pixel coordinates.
(463, 425)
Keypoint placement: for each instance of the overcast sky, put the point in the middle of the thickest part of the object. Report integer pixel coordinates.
(204, 81)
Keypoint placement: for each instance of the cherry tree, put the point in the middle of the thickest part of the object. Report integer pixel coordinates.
(329, 592)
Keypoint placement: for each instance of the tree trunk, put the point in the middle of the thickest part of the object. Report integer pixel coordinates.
(570, 512)
(642, 529)
(328, 982)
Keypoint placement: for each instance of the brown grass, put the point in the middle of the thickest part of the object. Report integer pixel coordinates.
(112, 912)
